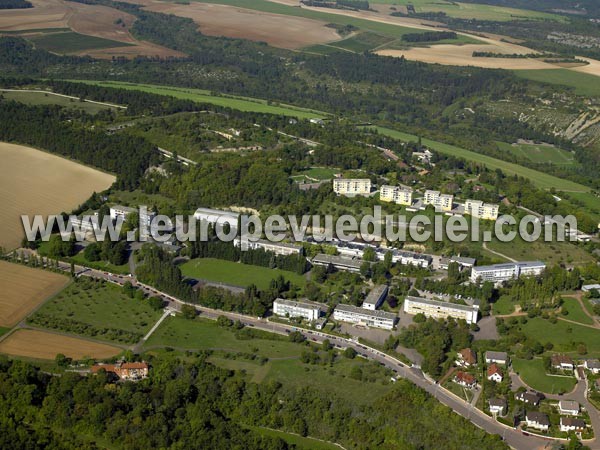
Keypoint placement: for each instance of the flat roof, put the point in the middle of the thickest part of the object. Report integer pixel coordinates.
(335, 259)
(218, 212)
(124, 208)
(301, 304)
(510, 265)
(279, 244)
(366, 312)
(463, 260)
(430, 302)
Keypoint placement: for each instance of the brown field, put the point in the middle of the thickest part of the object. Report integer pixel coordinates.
(43, 345)
(92, 20)
(275, 29)
(22, 289)
(35, 182)
(593, 68)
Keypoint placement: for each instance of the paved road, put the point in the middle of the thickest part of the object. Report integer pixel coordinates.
(512, 437)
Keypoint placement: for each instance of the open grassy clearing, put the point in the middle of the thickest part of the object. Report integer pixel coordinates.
(319, 173)
(228, 272)
(42, 345)
(564, 335)
(22, 289)
(79, 258)
(300, 442)
(34, 182)
(71, 42)
(4, 330)
(572, 306)
(582, 83)
(539, 153)
(99, 305)
(472, 10)
(503, 306)
(549, 252)
(49, 98)
(202, 96)
(540, 179)
(532, 372)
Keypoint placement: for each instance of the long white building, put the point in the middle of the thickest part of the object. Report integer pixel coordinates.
(338, 262)
(440, 310)
(396, 194)
(217, 216)
(498, 273)
(352, 186)
(361, 316)
(292, 308)
(279, 248)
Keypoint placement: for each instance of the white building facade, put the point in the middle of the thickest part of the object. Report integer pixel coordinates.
(440, 310)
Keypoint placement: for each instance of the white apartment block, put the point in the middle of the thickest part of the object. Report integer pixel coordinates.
(485, 211)
(279, 248)
(361, 316)
(395, 194)
(144, 215)
(442, 202)
(291, 308)
(498, 273)
(440, 310)
(376, 297)
(352, 186)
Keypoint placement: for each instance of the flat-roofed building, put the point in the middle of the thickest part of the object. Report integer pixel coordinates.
(412, 259)
(361, 316)
(440, 310)
(279, 248)
(441, 202)
(292, 308)
(481, 210)
(338, 262)
(462, 261)
(396, 194)
(498, 273)
(120, 211)
(217, 216)
(352, 186)
(376, 297)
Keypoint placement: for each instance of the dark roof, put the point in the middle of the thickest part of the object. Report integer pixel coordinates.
(529, 397)
(501, 356)
(573, 422)
(468, 356)
(497, 402)
(538, 417)
(561, 359)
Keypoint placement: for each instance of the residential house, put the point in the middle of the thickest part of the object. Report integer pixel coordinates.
(496, 357)
(572, 424)
(466, 357)
(498, 406)
(465, 379)
(593, 365)
(494, 373)
(129, 371)
(537, 420)
(562, 362)
(568, 407)
(529, 398)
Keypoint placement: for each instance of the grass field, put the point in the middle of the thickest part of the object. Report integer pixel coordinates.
(532, 372)
(79, 258)
(582, 83)
(101, 305)
(503, 306)
(48, 98)
(300, 442)
(539, 153)
(473, 10)
(549, 252)
(563, 335)
(34, 30)
(317, 173)
(237, 274)
(4, 330)
(71, 42)
(34, 182)
(42, 345)
(22, 289)
(575, 311)
(540, 179)
(202, 96)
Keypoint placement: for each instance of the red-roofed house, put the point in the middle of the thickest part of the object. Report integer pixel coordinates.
(465, 379)
(131, 371)
(466, 358)
(494, 373)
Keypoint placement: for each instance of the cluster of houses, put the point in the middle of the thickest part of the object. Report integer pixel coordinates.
(467, 358)
(569, 411)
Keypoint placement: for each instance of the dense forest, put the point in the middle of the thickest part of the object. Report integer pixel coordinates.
(194, 404)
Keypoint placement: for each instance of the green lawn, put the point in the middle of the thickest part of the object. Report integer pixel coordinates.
(100, 305)
(582, 83)
(539, 153)
(575, 312)
(564, 335)
(541, 180)
(549, 252)
(79, 259)
(300, 443)
(4, 330)
(532, 372)
(237, 274)
(48, 98)
(71, 42)
(203, 96)
(503, 306)
(473, 10)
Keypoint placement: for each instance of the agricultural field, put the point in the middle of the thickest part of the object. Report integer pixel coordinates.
(71, 42)
(550, 252)
(35, 182)
(99, 310)
(582, 83)
(541, 180)
(564, 335)
(49, 98)
(43, 345)
(22, 289)
(532, 372)
(202, 96)
(237, 274)
(539, 153)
